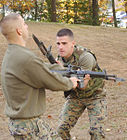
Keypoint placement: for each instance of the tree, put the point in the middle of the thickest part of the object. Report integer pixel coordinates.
(125, 6)
(75, 12)
(95, 11)
(3, 4)
(53, 10)
(114, 13)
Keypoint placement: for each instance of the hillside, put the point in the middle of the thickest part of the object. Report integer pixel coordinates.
(110, 47)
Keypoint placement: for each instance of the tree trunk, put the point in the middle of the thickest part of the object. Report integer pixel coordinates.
(3, 11)
(36, 10)
(90, 21)
(114, 13)
(89, 4)
(125, 6)
(67, 18)
(53, 11)
(95, 10)
(75, 11)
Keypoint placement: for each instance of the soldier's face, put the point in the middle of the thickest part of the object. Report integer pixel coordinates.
(24, 28)
(65, 46)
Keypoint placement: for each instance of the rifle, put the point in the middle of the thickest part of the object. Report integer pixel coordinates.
(80, 74)
(46, 51)
(69, 72)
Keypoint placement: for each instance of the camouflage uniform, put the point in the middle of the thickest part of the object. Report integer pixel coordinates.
(92, 98)
(32, 129)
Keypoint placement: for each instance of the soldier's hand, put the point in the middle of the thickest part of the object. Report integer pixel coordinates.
(74, 81)
(58, 62)
(86, 80)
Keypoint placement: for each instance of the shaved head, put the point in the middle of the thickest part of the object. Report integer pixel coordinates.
(9, 23)
(14, 28)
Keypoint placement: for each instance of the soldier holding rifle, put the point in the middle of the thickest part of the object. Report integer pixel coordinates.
(93, 98)
(82, 63)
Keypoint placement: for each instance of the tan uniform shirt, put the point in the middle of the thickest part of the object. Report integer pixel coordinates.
(24, 79)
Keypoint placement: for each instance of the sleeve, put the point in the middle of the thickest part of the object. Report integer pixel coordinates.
(38, 74)
(87, 61)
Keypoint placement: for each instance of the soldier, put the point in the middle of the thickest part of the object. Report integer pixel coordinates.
(24, 80)
(92, 98)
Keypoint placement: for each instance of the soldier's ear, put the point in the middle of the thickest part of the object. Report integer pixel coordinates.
(19, 32)
(73, 42)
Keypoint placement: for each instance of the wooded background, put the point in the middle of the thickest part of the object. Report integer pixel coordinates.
(88, 12)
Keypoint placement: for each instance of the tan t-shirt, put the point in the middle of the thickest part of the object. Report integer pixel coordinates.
(86, 61)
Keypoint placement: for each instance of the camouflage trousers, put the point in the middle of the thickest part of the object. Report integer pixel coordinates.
(73, 109)
(31, 129)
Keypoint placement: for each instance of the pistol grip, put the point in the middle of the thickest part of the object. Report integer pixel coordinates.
(81, 83)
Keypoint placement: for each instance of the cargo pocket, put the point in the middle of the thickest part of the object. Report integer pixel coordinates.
(21, 127)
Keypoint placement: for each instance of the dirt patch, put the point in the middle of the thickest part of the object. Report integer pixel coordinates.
(109, 45)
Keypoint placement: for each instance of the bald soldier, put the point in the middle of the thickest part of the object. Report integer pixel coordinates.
(24, 80)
